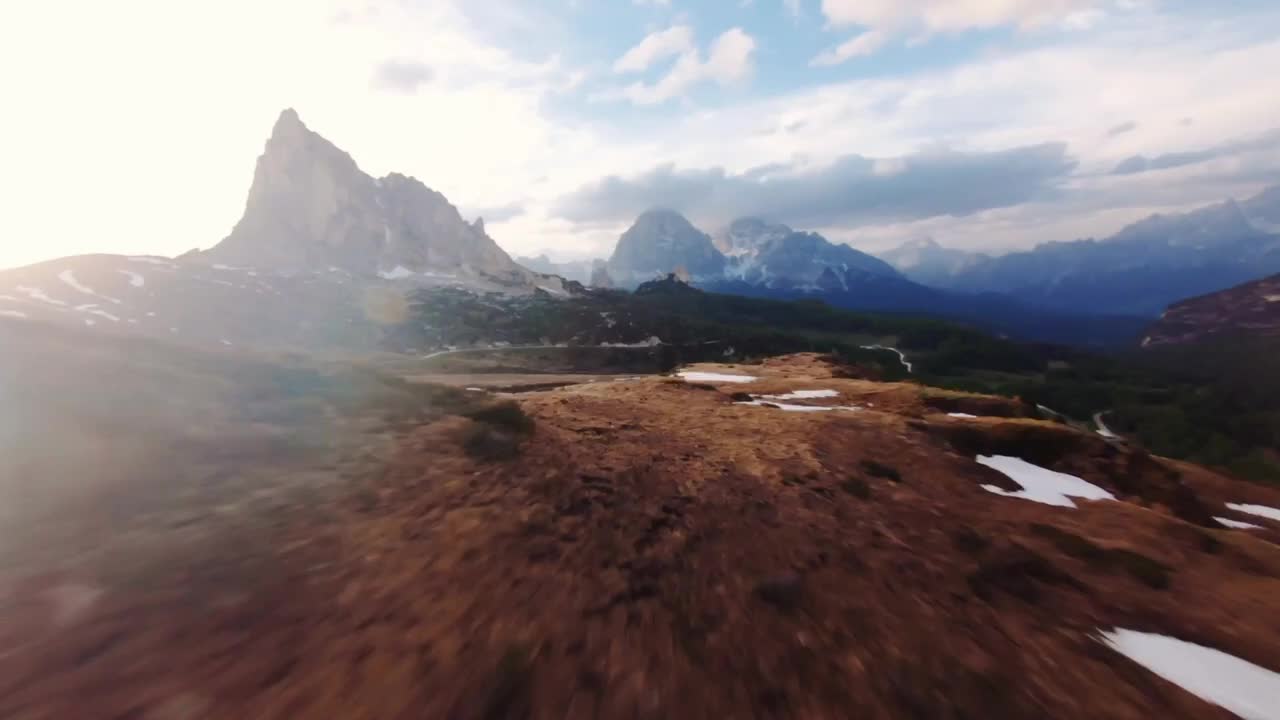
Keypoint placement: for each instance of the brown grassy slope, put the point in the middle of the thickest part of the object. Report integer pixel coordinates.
(657, 551)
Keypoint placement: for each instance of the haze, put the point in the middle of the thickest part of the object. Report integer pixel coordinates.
(133, 126)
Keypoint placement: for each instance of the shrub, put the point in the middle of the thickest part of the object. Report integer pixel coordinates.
(880, 470)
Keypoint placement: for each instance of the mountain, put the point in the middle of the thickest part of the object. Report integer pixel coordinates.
(925, 261)
(322, 258)
(773, 261)
(776, 255)
(745, 236)
(659, 242)
(311, 208)
(1144, 267)
(749, 252)
(1263, 209)
(1249, 310)
(575, 270)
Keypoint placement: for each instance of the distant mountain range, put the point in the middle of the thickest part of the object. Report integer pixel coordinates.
(756, 258)
(1140, 270)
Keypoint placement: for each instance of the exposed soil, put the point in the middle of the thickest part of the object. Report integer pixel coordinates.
(655, 550)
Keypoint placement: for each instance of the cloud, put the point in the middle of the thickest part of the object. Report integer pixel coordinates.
(1122, 128)
(404, 76)
(729, 61)
(792, 7)
(1140, 164)
(923, 18)
(673, 41)
(957, 15)
(865, 44)
(852, 190)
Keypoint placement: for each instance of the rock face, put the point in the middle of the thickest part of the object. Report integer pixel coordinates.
(746, 236)
(1249, 310)
(658, 243)
(312, 208)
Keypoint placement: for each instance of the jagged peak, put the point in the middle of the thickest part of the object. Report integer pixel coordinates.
(288, 121)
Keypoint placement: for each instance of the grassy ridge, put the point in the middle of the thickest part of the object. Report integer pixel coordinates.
(1217, 405)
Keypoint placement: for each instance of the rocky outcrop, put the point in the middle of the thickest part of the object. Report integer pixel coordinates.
(658, 243)
(311, 208)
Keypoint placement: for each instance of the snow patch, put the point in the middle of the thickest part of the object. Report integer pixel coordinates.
(148, 260)
(1259, 510)
(93, 310)
(803, 395)
(90, 323)
(963, 415)
(653, 341)
(798, 408)
(37, 294)
(1239, 686)
(135, 279)
(710, 377)
(13, 314)
(1039, 484)
(475, 389)
(399, 273)
(1236, 524)
(1271, 298)
(69, 277)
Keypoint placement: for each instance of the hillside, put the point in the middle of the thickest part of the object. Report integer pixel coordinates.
(829, 542)
(1249, 310)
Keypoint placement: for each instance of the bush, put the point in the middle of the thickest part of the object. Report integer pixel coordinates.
(507, 416)
(498, 431)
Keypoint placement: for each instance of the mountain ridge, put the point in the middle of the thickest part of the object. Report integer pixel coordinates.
(310, 207)
(1139, 270)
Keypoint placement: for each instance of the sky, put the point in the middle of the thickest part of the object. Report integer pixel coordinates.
(133, 126)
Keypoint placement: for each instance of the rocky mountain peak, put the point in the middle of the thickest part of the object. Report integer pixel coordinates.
(657, 243)
(747, 236)
(310, 207)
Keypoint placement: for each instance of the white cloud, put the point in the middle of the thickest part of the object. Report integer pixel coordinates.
(865, 44)
(729, 61)
(673, 41)
(793, 7)
(923, 18)
(1145, 74)
(952, 15)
